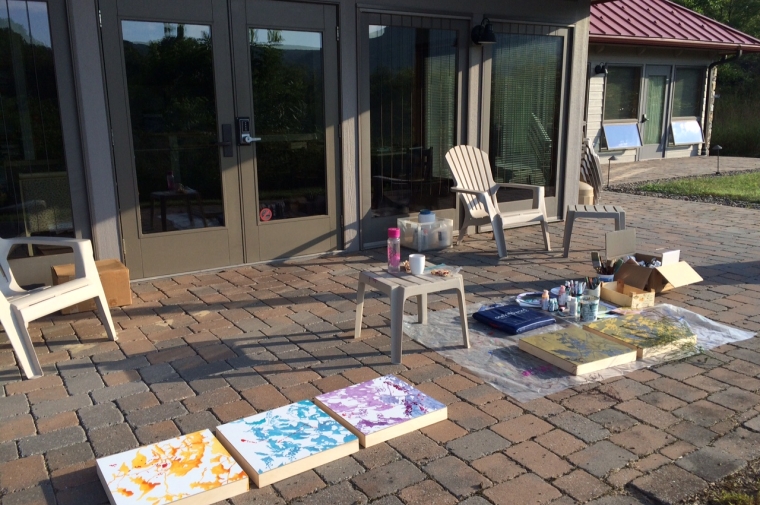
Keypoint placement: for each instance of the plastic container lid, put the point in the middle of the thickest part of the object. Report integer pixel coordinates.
(394, 233)
(426, 216)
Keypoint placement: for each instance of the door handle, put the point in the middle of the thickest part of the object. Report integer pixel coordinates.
(226, 142)
(247, 139)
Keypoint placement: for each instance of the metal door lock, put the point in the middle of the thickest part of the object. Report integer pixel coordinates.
(244, 132)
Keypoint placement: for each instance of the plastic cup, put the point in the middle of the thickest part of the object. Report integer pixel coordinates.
(589, 308)
(597, 291)
(417, 263)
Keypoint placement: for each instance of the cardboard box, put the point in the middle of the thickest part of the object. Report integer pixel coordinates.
(672, 273)
(626, 296)
(113, 275)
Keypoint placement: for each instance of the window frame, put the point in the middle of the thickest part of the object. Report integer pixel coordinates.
(680, 119)
(636, 121)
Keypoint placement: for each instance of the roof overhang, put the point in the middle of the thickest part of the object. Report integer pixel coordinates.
(683, 44)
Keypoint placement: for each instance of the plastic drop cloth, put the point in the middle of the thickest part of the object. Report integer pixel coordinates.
(494, 356)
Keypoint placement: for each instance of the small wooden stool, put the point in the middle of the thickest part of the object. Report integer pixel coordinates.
(401, 286)
(591, 211)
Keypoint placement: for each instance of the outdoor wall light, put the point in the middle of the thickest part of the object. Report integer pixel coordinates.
(609, 164)
(601, 69)
(483, 33)
(717, 149)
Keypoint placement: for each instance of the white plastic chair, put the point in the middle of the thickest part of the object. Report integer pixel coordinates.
(18, 307)
(477, 191)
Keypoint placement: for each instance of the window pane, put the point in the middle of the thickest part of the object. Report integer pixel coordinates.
(687, 95)
(621, 96)
(686, 132)
(655, 109)
(525, 92)
(621, 136)
(289, 115)
(172, 107)
(34, 185)
(413, 106)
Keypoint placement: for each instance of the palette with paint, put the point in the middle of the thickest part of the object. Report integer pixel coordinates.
(194, 469)
(381, 409)
(274, 445)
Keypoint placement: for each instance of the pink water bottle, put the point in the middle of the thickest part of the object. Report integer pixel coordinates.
(394, 250)
(170, 181)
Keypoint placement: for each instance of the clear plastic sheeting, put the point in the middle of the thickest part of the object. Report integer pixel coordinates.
(494, 356)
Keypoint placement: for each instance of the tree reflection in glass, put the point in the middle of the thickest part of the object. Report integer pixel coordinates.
(413, 106)
(289, 117)
(170, 81)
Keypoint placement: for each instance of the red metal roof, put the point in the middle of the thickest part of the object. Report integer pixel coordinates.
(663, 23)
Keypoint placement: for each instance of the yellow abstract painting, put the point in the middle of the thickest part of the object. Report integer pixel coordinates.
(172, 470)
(577, 351)
(654, 331)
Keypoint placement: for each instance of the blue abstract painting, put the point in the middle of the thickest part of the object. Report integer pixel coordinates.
(284, 435)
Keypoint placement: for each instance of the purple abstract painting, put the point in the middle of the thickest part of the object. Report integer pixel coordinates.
(380, 403)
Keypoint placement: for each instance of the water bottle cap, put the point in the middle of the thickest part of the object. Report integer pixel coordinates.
(425, 211)
(394, 233)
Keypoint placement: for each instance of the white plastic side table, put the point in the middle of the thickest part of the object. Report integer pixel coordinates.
(399, 287)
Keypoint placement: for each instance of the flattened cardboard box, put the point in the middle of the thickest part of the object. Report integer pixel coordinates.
(114, 277)
(672, 273)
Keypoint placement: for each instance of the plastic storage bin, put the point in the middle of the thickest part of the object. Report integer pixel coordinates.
(426, 236)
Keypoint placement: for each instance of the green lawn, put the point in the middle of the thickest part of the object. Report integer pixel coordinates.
(741, 187)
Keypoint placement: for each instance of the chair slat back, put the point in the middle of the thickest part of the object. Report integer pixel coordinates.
(591, 169)
(471, 170)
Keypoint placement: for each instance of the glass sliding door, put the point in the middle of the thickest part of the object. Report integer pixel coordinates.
(412, 89)
(522, 124)
(34, 185)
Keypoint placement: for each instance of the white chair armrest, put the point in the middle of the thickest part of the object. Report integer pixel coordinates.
(84, 260)
(538, 192)
(515, 185)
(484, 198)
(456, 189)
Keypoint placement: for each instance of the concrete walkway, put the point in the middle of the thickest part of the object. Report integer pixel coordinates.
(675, 167)
(195, 351)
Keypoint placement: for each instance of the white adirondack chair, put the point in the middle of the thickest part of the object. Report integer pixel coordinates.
(18, 307)
(477, 191)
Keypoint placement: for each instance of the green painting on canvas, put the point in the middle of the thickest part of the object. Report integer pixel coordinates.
(652, 332)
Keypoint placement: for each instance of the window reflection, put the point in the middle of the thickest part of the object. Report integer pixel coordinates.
(413, 106)
(525, 93)
(289, 115)
(688, 94)
(172, 105)
(34, 187)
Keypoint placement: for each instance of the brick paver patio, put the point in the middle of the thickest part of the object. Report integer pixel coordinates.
(198, 350)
